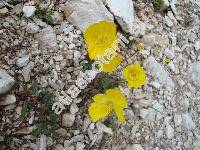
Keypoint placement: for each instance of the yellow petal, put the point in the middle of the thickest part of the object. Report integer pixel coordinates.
(101, 99)
(119, 102)
(112, 65)
(119, 113)
(135, 75)
(99, 37)
(117, 97)
(95, 51)
(101, 29)
(98, 111)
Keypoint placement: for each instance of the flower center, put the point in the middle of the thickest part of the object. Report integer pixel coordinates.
(103, 40)
(132, 75)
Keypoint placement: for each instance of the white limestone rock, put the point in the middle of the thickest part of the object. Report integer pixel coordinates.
(185, 104)
(123, 12)
(24, 130)
(177, 120)
(187, 121)
(155, 84)
(171, 66)
(59, 147)
(152, 39)
(57, 17)
(1, 4)
(139, 28)
(68, 119)
(159, 73)
(32, 28)
(22, 61)
(157, 106)
(26, 71)
(29, 11)
(3, 11)
(80, 146)
(143, 113)
(47, 39)
(83, 13)
(151, 116)
(87, 121)
(168, 21)
(42, 143)
(102, 128)
(169, 132)
(10, 99)
(77, 55)
(74, 108)
(194, 73)
(6, 81)
(136, 147)
(197, 45)
(62, 131)
(166, 3)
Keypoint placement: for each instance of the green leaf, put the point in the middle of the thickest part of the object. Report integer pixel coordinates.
(38, 11)
(41, 127)
(87, 65)
(43, 14)
(160, 5)
(52, 119)
(34, 88)
(48, 98)
(56, 136)
(48, 17)
(107, 122)
(45, 130)
(35, 133)
(24, 110)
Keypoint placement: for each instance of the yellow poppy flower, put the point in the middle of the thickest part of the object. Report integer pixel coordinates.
(135, 75)
(119, 102)
(112, 65)
(99, 37)
(104, 104)
(140, 47)
(167, 60)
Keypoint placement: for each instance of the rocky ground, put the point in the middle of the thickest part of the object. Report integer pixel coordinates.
(42, 53)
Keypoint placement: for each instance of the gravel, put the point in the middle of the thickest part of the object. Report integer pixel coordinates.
(37, 56)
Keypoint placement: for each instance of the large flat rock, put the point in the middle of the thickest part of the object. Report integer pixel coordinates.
(83, 13)
(123, 12)
(6, 81)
